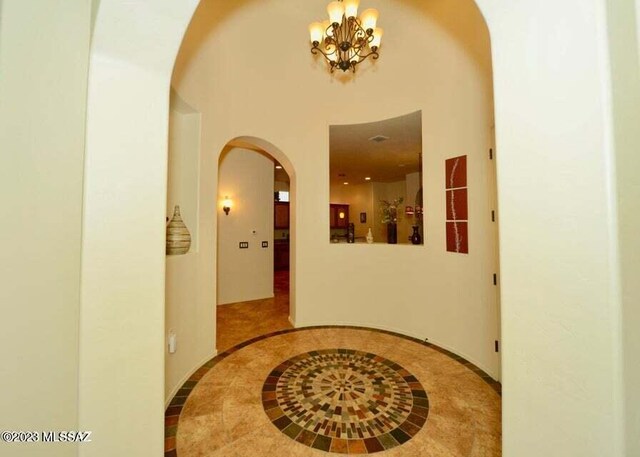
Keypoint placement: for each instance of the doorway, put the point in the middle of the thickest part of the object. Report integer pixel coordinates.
(253, 245)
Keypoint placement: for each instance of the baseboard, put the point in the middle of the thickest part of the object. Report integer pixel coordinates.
(419, 337)
(178, 386)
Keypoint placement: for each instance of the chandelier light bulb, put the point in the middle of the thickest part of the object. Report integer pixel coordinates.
(351, 8)
(377, 37)
(316, 32)
(336, 11)
(369, 18)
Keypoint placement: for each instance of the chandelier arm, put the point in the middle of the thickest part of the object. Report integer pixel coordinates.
(373, 54)
(332, 64)
(358, 34)
(369, 39)
(328, 43)
(326, 32)
(355, 42)
(315, 50)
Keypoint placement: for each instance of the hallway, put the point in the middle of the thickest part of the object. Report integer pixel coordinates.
(242, 321)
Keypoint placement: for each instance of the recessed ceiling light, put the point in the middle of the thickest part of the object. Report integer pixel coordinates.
(402, 165)
(379, 138)
(278, 167)
(345, 183)
(367, 178)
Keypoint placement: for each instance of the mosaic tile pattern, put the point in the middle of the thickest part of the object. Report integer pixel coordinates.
(174, 411)
(345, 401)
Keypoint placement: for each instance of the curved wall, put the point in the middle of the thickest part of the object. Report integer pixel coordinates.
(435, 58)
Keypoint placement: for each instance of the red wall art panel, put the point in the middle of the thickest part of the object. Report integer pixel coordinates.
(456, 176)
(457, 205)
(457, 237)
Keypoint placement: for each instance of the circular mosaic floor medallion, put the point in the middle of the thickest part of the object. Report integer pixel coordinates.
(345, 401)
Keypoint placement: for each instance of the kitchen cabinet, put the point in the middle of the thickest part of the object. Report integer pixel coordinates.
(281, 255)
(338, 216)
(281, 215)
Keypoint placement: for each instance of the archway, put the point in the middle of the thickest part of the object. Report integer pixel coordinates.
(133, 52)
(252, 170)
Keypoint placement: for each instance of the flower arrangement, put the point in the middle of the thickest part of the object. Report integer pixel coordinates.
(389, 210)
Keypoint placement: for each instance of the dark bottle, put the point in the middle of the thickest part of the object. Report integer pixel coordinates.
(351, 233)
(415, 237)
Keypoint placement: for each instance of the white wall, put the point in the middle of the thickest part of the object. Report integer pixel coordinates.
(183, 301)
(122, 332)
(557, 243)
(95, 6)
(183, 173)
(44, 52)
(637, 20)
(245, 274)
(625, 60)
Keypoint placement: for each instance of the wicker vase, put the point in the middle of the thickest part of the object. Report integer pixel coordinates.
(178, 236)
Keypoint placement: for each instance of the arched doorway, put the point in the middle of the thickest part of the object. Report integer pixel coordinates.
(133, 53)
(254, 293)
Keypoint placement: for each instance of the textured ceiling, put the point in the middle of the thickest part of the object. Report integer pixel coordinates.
(353, 155)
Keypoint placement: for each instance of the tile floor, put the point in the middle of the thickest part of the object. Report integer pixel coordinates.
(239, 322)
(326, 391)
(345, 401)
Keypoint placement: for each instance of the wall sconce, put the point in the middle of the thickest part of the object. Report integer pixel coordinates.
(226, 205)
(341, 215)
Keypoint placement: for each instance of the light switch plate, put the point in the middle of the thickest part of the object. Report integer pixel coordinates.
(244, 245)
(265, 244)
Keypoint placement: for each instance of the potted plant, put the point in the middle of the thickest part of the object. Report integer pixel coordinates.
(390, 217)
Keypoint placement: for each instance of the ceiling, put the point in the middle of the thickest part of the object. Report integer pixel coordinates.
(353, 156)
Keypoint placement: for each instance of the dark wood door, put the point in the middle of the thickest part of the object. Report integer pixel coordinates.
(281, 215)
(339, 216)
(281, 255)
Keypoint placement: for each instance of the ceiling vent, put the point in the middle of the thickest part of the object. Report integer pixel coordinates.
(379, 138)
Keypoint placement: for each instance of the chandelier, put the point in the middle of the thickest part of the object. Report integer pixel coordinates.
(346, 40)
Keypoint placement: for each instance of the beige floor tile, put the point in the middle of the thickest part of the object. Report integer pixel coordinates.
(224, 416)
